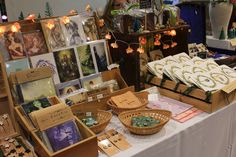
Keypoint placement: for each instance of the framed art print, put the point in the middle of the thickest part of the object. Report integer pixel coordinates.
(73, 30)
(34, 43)
(67, 65)
(46, 60)
(90, 28)
(14, 45)
(86, 59)
(101, 55)
(53, 34)
(17, 65)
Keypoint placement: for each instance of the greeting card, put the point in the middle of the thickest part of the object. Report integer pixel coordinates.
(46, 60)
(17, 65)
(63, 135)
(67, 65)
(73, 30)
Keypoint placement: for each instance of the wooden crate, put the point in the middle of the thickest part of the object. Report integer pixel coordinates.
(23, 121)
(208, 102)
(87, 147)
(102, 103)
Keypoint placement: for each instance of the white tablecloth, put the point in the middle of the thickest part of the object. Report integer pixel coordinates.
(206, 135)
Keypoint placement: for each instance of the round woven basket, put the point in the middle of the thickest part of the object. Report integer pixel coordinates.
(103, 118)
(117, 110)
(162, 115)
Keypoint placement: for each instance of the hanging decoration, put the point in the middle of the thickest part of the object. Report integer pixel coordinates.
(143, 41)
(31, 17)
(129, 50)
(15, 27)
(65, 19)
(2, 29)
(50, 24)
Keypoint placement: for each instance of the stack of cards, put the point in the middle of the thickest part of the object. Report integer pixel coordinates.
(205, 74)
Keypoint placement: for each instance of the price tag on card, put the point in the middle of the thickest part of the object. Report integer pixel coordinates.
(153, 97)
(99, 96)
(90, 99)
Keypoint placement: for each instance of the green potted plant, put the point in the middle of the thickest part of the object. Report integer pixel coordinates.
(220, 12)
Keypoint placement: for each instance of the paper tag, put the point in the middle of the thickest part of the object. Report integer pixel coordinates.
(106, 146)
(90, 99)
(233, 42)
(153, 97)
(120, 142)
(99, 96)
(230, 87)
(52, 116)
(88, 114)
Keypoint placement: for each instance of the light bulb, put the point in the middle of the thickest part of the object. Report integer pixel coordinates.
(129, 50)
(140, 50)
(108, 36)
(50, 24)
(65, 19)
(114, 45)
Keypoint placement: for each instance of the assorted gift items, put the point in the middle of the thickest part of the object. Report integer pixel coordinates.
(127, 101)
(16, 146)
(205, 74)
(112, 142)
(199, 50)
(144, 122)
(6, 127)
(96, 120)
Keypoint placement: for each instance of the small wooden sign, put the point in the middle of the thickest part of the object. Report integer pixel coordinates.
(144, 4)
(52, 116)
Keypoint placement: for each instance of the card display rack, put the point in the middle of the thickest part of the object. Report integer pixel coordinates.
(6, 102)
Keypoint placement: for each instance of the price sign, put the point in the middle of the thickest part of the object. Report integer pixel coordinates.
(144, 4)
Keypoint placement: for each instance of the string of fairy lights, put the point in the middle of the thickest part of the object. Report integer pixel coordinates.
(143, 41)
(15, 27)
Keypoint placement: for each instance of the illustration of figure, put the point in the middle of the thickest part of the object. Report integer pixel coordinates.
(100, 59)
(57, 36)
(73, 31)
(90, 29)
(14, 45)
(35, 46)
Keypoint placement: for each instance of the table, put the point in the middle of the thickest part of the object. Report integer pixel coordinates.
(206, 135)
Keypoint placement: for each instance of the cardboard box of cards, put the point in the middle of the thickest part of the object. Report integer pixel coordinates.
(61, 134)
(201, 83)
(34, 90)
(101, 90)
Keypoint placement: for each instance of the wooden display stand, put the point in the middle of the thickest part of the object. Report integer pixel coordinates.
(6, 102)
(102, 103)
(87, 147)
(25, 123)
(208, 102)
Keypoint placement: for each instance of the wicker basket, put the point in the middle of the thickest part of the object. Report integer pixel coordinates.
(118, 110)
(162, 115)
(103, 118)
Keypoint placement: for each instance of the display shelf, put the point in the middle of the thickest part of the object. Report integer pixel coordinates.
(3, 94)
(6, 101)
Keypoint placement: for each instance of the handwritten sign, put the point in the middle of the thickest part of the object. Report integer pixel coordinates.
(52, 116)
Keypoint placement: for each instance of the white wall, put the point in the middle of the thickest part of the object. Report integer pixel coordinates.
(60, 7)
